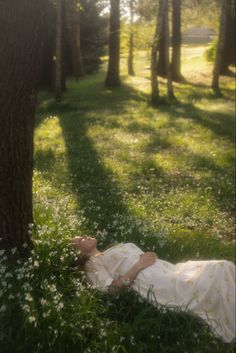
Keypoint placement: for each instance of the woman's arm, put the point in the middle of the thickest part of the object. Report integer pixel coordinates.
(147, 259)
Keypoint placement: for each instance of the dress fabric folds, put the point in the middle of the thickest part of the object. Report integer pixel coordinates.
(205, 288)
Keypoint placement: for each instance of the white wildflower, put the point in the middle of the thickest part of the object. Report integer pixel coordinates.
(60, 305)
(3, 308)
(32, 319)
(43, 301)
(29, 297)
(36, 264)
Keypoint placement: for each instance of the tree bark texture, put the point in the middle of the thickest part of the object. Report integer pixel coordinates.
(176, 41)
(154, 50)
(220, 47)
(131, 40)
(21, 35)
(113, 73)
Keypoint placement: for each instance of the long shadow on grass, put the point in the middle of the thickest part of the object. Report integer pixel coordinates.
(95, 187)
(219, 123)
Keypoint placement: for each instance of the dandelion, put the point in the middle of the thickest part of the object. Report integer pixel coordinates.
(2, 252)
(13, 250)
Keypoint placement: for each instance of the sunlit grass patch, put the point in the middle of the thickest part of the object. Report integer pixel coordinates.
(110, 165)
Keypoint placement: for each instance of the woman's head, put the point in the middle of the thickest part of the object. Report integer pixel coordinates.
(86, 245)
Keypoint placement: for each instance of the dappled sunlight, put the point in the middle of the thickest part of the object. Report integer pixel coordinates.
(50, 159)
(50, 131)
(123, 160)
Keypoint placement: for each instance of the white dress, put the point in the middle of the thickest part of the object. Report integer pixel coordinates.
(206, 288)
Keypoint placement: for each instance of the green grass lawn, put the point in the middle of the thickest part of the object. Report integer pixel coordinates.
(110, 165)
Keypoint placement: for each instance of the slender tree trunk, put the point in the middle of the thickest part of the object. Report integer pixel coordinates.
(131, 40)
(21, 35)
(161, 64)
(228, 57)
(58, 57)
(79, 68)
(73, 27)
(170, 91)
(154, 50)
(220, 47)
(113, 73)
(176, 41)
(46, 79)
(63, 46)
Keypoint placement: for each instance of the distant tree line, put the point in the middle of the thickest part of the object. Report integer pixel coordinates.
(75, 36)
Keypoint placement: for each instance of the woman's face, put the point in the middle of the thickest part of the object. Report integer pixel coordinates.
(84, 244)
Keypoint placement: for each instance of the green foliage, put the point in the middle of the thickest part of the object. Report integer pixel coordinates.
(94, 34)
(211, 52)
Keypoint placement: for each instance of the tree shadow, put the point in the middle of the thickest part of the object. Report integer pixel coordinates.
(95, 186)
(213, 121)
(97, 192)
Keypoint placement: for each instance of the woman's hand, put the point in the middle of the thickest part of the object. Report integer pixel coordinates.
(147, 259)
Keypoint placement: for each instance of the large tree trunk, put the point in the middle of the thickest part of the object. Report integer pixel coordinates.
(113, 73)
(131, 41)
(155, 48)
(21, 33)
(220, 47)
(228, 57)
(176, 41)
(170, 91)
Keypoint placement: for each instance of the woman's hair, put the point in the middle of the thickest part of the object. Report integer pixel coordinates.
(80, 262)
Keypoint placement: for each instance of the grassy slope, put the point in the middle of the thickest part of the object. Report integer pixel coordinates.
(163, 177)
(108, 164)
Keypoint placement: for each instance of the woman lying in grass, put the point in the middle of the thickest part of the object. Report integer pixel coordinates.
(205, 288)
